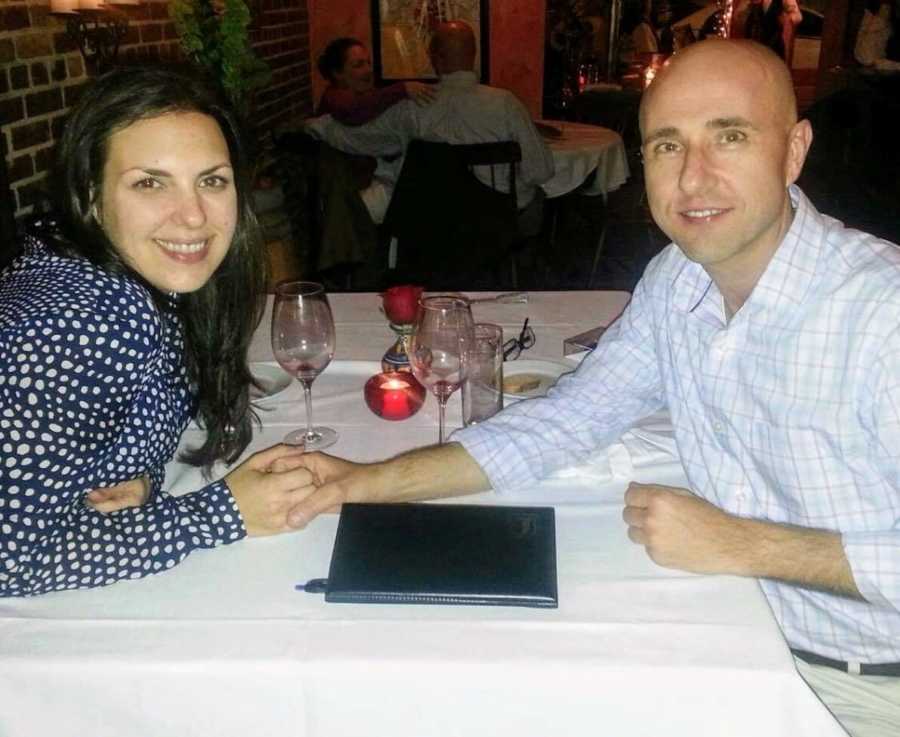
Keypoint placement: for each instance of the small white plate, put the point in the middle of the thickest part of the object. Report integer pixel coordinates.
(273, 379)
(539, 375)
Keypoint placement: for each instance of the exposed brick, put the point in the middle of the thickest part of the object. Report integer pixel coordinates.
(33, 194)
(33, 45)
(43, 159)
(19, 77)
(75, 65)
(4, 82)
(56, 127)
(59, 70)
(39, 73)
(132, 36)
(73, 93)
(151, 33)
(11, 110)
(46, 101)
(63, 43)
(7, 51)
(22, 167)
(158, 11)
(30, 134)
(14, 18)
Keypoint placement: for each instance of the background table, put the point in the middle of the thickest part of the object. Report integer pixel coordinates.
(223, 645)
(581, 150)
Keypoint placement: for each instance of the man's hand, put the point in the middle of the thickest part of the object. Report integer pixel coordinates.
(680, 530)
(329, 475)
(267, 485)
(421, 94)
(120, 496)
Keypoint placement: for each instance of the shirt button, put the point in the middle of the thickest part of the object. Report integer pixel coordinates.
(718, 427)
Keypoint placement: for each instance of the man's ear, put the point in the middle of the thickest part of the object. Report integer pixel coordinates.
(799, 140)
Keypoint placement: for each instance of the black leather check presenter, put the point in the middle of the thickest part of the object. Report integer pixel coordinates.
(442, 554)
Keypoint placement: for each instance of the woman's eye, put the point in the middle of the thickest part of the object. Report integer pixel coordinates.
(147, 183)
(215, 181)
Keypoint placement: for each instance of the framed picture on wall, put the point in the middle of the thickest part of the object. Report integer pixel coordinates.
(401, 31)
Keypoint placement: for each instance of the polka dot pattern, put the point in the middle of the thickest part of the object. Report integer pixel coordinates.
(93, 391)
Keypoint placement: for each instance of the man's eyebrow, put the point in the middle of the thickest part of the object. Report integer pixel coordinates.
(735, 122)
(669, 132)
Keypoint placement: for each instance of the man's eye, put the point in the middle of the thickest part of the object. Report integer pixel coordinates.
(664, 148)
(733, 137)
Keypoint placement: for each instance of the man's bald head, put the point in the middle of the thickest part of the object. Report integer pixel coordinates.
(453, 48)
(756, 66)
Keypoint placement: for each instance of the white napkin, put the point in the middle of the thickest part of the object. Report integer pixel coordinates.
(651, 442)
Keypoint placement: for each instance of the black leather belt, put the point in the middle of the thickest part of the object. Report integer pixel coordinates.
(859, 669)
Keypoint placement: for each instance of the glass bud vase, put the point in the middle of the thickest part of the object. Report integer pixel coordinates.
(396, 358)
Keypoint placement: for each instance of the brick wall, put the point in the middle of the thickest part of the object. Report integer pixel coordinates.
(42, 74)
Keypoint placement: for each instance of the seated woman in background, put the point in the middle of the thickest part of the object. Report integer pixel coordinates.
(351, 96)
(120, 321)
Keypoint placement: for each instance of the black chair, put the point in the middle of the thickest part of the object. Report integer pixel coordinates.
(453, 231)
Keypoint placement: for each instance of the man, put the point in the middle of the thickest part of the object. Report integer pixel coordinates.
(463, 112)
(772, 334)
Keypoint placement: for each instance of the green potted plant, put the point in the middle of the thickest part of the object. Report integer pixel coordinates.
(214, 36)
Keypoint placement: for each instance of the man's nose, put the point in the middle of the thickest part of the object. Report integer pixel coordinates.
(696, 171)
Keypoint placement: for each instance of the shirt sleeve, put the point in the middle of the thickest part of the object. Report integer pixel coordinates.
(387, 135)
(67, 425)
(356, 109)
(874, 556)
(617, 384)
(537, 159)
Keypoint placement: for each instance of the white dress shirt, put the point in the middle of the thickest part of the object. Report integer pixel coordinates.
(463, 112)
(789, 412)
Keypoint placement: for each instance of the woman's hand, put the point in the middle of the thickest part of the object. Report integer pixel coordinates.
(120, 496)
(419, 93)
(267, 485)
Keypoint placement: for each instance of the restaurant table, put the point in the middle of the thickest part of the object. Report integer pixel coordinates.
(224, 645)
(580, 150)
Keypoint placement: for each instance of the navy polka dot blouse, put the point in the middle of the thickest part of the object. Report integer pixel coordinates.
(93, 391)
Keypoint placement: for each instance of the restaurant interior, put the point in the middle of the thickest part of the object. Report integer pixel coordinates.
(571, 63)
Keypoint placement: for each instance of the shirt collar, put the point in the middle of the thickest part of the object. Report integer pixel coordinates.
(459, 79)
(785, 281)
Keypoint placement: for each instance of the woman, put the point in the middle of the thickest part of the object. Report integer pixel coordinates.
(118, 323)
(350, 96)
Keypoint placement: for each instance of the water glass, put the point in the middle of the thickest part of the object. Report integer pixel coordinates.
(482, 391)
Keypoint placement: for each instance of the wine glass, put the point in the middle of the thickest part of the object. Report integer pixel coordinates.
(439, 347)
(303, 343)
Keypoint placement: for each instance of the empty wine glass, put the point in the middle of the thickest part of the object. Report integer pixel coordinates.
(303, 343)
(439, 348)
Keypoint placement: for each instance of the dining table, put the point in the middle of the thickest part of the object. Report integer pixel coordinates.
(224, 644)
(588, 158)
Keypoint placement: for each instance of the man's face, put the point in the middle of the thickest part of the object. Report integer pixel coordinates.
(718, 156)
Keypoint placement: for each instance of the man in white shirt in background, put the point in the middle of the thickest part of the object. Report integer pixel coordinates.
(771, 334)
(464, 111)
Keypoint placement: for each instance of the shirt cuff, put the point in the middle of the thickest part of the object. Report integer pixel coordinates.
(874, 559)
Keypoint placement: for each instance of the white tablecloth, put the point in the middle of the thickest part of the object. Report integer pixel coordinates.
(223, 645)
(582, 149)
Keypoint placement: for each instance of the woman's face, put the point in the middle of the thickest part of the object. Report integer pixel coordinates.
(168, 202)
(357, 72)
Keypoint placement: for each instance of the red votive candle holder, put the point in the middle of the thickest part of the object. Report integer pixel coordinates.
(394, 395)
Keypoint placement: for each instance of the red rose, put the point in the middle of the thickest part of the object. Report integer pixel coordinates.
(401, 303)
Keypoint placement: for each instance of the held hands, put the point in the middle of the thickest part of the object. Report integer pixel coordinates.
(680, 530)
(421, 94)
(120, 496)
(331, 476)
(267, 485)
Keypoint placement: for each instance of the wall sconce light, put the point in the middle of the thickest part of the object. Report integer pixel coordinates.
(97, 28)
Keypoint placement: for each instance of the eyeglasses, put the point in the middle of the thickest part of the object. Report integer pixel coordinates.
(513, 347)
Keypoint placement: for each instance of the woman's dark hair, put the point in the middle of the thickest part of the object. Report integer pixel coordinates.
(220, 317)
(333, 58)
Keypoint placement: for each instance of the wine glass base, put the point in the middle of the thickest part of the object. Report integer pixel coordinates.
(321, 437)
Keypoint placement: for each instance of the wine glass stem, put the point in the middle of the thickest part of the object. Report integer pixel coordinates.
(442, 404)
(307, 395)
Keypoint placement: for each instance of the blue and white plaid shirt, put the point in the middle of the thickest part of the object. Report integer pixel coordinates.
(790, 412)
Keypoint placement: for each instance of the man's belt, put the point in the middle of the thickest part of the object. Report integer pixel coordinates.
(857, 669)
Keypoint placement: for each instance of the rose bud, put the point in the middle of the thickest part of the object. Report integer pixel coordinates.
(401, 304)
